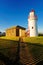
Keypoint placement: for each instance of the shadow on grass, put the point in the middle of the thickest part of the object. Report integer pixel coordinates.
(11, 44)
(4, 59)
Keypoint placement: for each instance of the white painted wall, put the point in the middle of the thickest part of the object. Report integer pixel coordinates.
(32, 24)
(33, 32)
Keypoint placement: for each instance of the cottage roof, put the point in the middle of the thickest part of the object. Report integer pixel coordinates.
(20, 27)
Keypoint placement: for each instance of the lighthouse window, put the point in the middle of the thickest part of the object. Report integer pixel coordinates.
(32, 27)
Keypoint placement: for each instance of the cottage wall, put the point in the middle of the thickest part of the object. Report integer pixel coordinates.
(21, 32)
(11, 32)
(15, 31)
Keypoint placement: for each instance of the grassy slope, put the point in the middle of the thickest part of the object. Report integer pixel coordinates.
(26, 39)
(35, 45)
(10, 38)
(36, 52)
(8, 47)
(37, 40)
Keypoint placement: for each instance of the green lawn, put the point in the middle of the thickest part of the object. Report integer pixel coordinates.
(37, 40)
(10, 38)
(37, 52)
(9, 46)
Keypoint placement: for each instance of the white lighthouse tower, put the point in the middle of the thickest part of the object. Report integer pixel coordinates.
(32, 24)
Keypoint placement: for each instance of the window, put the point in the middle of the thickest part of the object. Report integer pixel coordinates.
(32, 27)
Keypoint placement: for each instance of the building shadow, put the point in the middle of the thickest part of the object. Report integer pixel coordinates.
(17, 60)
(5, 59)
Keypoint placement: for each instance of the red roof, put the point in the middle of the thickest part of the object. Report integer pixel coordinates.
(32, 10)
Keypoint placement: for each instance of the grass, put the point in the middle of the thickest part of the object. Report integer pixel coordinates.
(37, 40)
(35, 45)
(10, 38)
(9, 46)
(33, 40)
(36, 51)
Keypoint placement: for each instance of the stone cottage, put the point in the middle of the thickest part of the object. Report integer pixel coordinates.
(16, 31)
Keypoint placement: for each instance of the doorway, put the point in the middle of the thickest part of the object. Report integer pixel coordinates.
(17, 32)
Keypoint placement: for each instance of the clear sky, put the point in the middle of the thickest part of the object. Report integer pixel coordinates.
(15, 12)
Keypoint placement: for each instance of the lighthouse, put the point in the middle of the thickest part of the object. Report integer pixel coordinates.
(32, 24)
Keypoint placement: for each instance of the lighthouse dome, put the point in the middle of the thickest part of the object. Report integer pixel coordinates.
(32, 13)
(32, 10)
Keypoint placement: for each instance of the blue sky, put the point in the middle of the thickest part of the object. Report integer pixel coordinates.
(15, 12)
